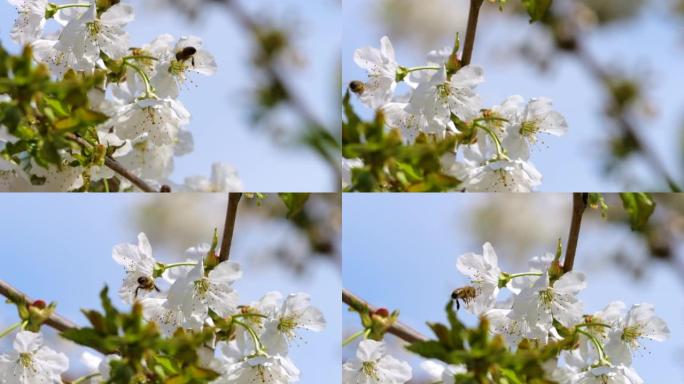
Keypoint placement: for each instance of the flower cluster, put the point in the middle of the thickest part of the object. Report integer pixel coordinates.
(543, 306)
(201, 293)
(147, 125)
(494, 144)
(248, 344)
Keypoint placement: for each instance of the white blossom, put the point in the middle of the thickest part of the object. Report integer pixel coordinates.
(31, 362)
(537, 306)
(527, 122)
(640, 323)
(484, 272)
(440, 373)
(198, 292)
(187, 56)
(88, 35)
(30, 22)
(295, 313)
(139, 265)
(438, 97)
(373, 365)
(381, 66)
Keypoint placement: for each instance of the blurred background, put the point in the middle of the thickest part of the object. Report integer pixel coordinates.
(57, 247)
(611, 68)
(400, 251)
(234, 117)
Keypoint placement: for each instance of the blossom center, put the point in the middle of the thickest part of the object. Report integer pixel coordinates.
(631, 334)
(202, 286)
(177, 68)
(287, 324)
(94, 27)
(529, 129)
(546, 296)
(26, 360)
(368, 369)
(443, 90)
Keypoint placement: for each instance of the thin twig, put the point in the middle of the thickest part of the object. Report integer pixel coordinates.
(397, 329)
(115, 166)
(229, 226)
(14, 295)
(471, 31)
(579, 204)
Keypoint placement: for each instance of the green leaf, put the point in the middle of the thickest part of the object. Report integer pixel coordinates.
(536, 8)
(294, 202)
(640, 207)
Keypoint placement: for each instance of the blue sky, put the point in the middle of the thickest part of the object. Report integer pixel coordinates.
(572, 162)
(60, 250)
(219, 105)
(400, 251)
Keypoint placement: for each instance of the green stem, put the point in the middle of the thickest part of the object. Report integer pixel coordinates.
(245, 315)
(85, 378)
(257, 343)
(593, 325)
(149, 91)
(351, 338)
(76, 5)
(423, 68)
(514, 275)
(140, 57)
(597, 344)
(501, 153)
(106, 185)
(183, 264)
(10, 329)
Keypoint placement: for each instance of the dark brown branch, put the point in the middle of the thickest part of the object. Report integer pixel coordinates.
(398, 329)
(14, 295)
(579, 204)
(229, 227)
(471, 31)
(115, 166)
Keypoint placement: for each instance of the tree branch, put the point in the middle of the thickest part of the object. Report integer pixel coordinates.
(579, 204)
(14, 295)
(398, 329)
(471, 31)
(229, 226)
(115, 166)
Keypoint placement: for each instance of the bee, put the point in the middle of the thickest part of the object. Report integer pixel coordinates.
(357, 87)
(467, 294)
(187, 53)
(147, 284)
